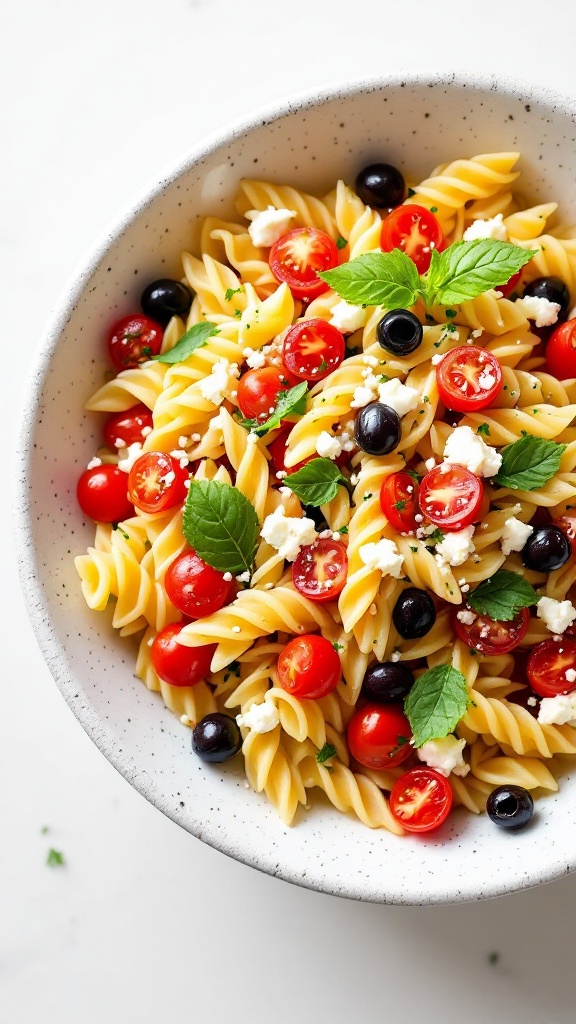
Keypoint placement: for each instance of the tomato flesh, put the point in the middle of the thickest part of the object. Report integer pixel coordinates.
(490, 637)
(399, 501)
(195, 588)
(129, 427)
(258, 392)
(416, 231)
(320, 570)
(309, 667)
(567, 524)
(468, 378)
(312, 349)
(176, 664)
(510, 285)
(421, 800)
(547, 667)
(451, 496)
(157, 482)
(134, 340)
(561, 351)
(379, 736)
(296, 258)
(102, 494)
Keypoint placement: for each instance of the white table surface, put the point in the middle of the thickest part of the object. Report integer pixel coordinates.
(145, 923)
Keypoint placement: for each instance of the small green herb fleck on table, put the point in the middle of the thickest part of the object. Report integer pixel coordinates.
(55, 858)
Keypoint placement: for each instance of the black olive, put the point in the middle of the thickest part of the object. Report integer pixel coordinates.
(381, 185)
(414, 613)
(400, 332)
(546, 549)
(313, 512)
(387, 682)
(166, 298)
(553, 289)
(216, 737)
(510, 806)
(378, 429)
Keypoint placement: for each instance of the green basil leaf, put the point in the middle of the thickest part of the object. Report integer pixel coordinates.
(316, 483)
(529, 463)
(467, 269)
(502, 596)
(388, 279)
(221, 525)
(195, 338)
(291, 402)
(436, 703)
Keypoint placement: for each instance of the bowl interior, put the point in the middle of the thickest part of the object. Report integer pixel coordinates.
(415, 123)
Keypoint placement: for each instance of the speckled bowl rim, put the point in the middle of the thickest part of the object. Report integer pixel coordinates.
(47, 638)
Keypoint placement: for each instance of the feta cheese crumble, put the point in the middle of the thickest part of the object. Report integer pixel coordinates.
(457, 546)
(467, 616)
(94, 463)
(398, 396)
(363, 395)
(348, 318)
(514, 535)
(465, 448)
(559, 710)
(494, 227)
(542, 311)
(288, 533)
(254, 357)
(267, 226)
(128, 456)
(260, 718)
(445, 756)
(328, 447)
(215, 387)
(382, 555)
(557, 615)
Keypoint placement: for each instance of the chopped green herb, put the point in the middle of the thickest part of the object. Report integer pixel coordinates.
(367, 497)
(237, 313)
(433, 209)
(437, 536)
(400, 505)
(415, 550)
(451, 313)
(44, 830)
(483, 429)
(323, 366)
(344, 529)
(327, 751)
(341, 243)
(411, 192)
(230, 292)
(147, 351)
(337, 647)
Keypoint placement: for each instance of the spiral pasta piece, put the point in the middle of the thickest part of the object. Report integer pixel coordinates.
(464, 180)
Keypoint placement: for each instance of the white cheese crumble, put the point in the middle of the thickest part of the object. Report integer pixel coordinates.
(347, 318)
(559, 710)
(382, 555)
(467, 616)
(557, 615)
(215, 387)
(267, 226)
(541, 310)
(128, 456)
(328, 447)
(260, 718)
(244, 577)
(491, 228)
(398, 396)
(430, 463)
(457, 546)
(227, 576)
(395, 656)
(514, 535)
(570, 675)
(436, 358)
(94, 463)
(288, 533)
(445, 756)
(465, 448)
(254, 357)
(363, 395)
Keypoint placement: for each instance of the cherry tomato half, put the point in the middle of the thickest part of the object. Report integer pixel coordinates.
(416, 231)
(468, 378)
(196, 589)
(561, 351)
(177, 664)
(510, 285)
(312, 349)
(157, 482)
(421, 800)
(567, 524)
(491, 637)
(258, 391)
(399, 501)
(134, 340)
(451, 496)
(297, 257)
(547, 667)
(309, 667)
(125, 428)
(379, 736)
(320, 570)
(102, 494)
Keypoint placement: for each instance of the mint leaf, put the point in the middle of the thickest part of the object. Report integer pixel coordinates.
(502, 596)
(195, 338)
(316, 483)
(388, 279)
(291, 402)
(467, 269)
(529, 463)
(221, 525)
(436, 703)
(328, 751)
(55, 859)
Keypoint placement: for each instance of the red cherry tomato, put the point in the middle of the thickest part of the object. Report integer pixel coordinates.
(102, 494)
(312, 349)
(567, 524)
(379, 735)
(177, 664)
(547, 667)
(125, 428)
(296, 258)
(451, 496)
(258, 391)
(134, 340)
(319, 572)
(399, 501)
(491, 637)
(468, 378)
(561, 351)
(156, 482)
(421, 800)
(416, 231)
(196, 589)
(510, 285)
(309, 667)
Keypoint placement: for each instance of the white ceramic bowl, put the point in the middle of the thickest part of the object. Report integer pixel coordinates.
(414, 122)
